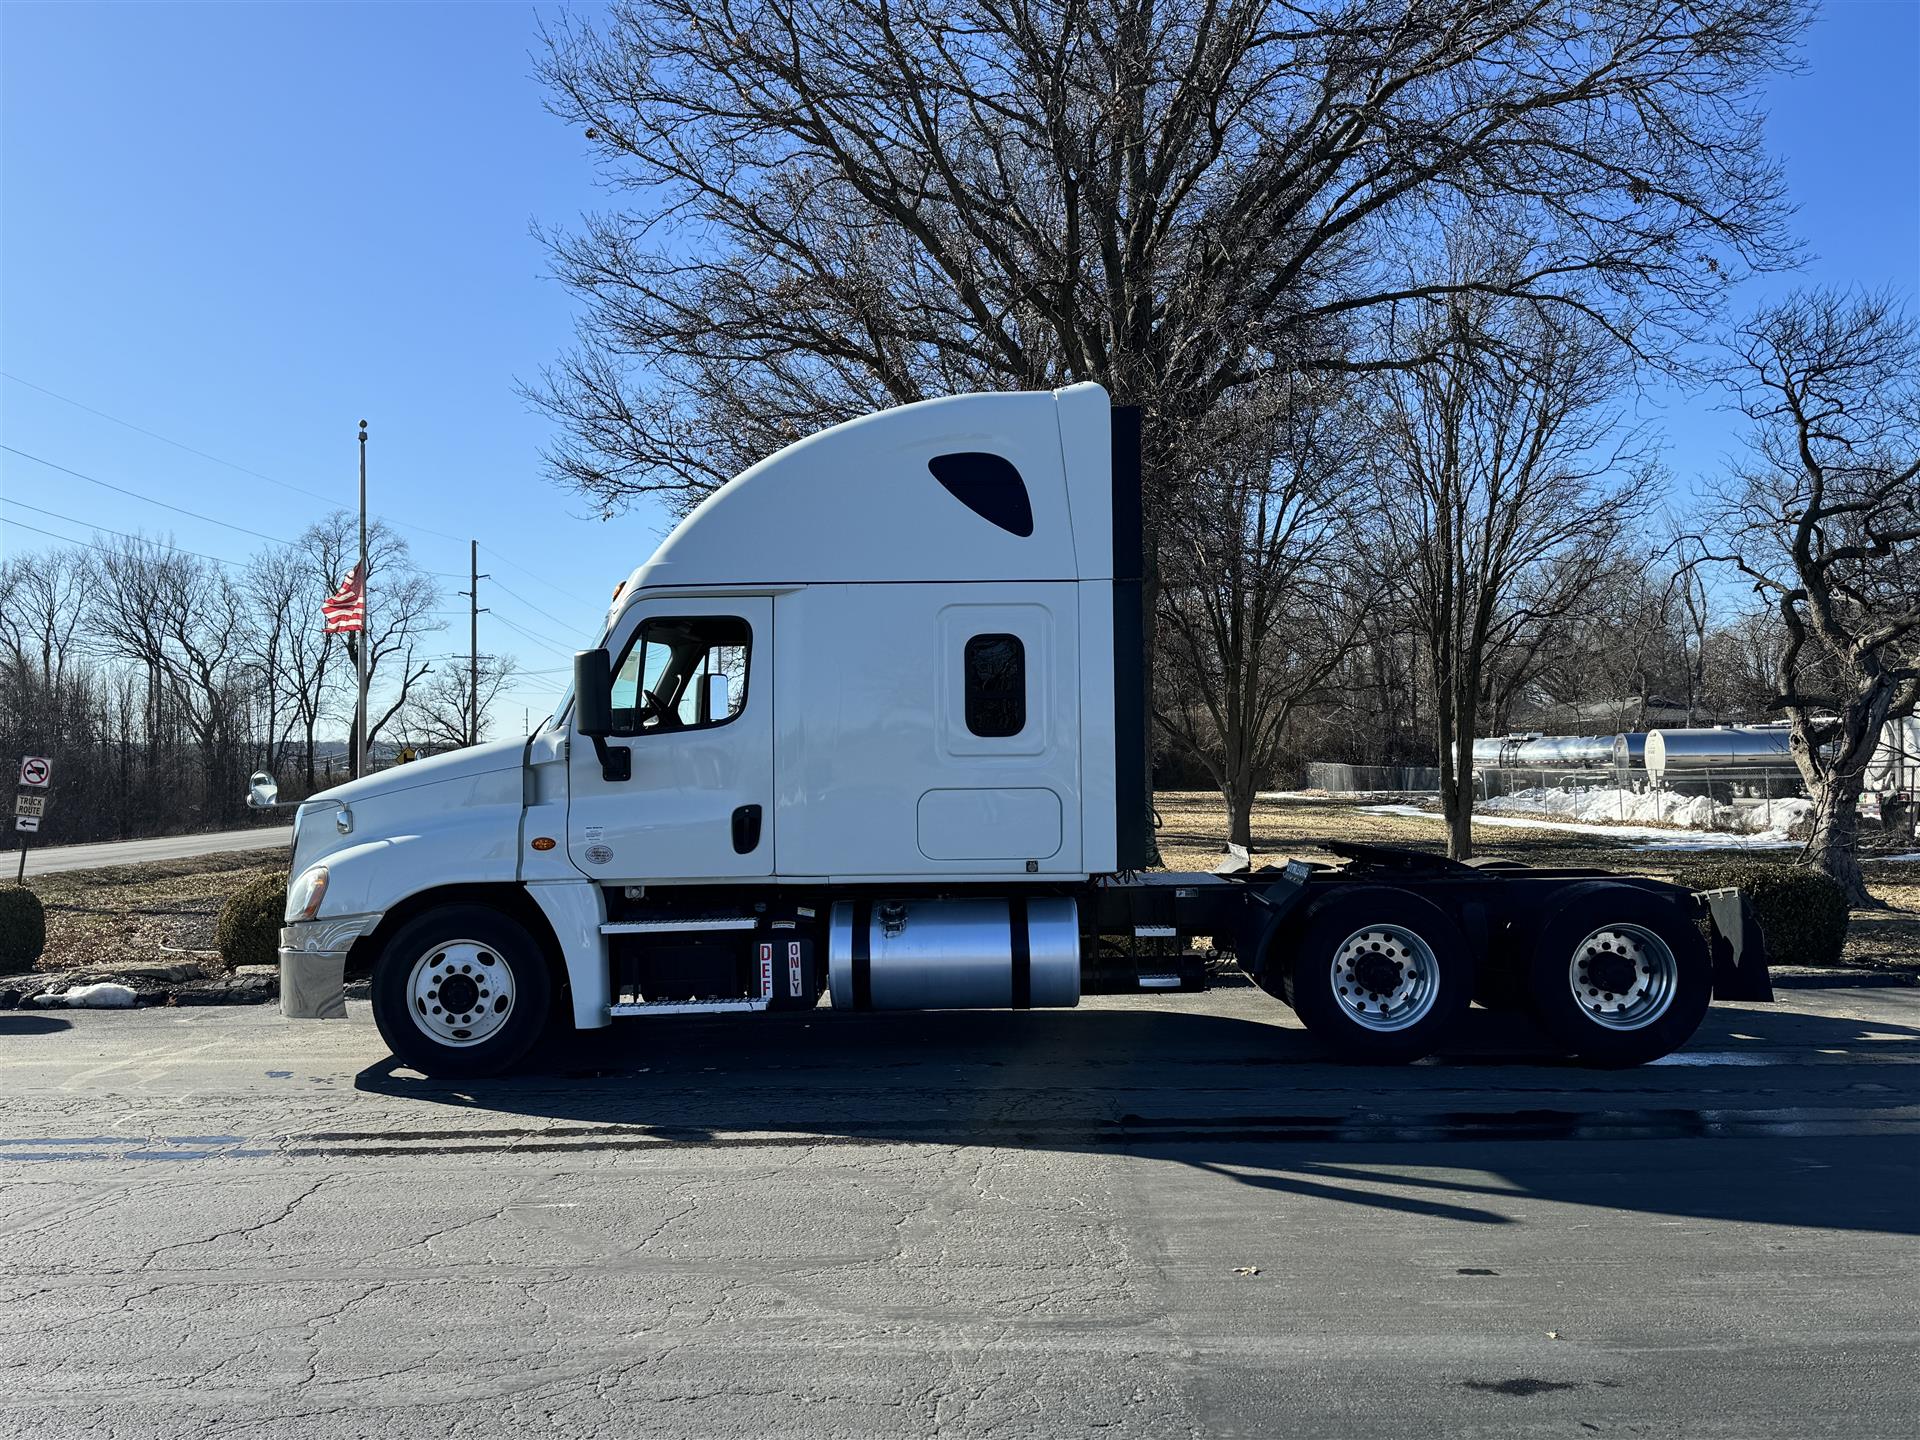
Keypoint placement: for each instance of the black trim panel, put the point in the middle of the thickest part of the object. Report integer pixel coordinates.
(1133, 835)
(1129, 548)
(862, 956)
(1022, 952)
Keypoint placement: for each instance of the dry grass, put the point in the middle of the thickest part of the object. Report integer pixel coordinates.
(131, 914)
(1193, 829)
(128, 914)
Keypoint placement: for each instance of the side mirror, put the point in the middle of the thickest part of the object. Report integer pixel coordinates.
(263, 791)
(716, 700)
(593, 712)
(592, 693)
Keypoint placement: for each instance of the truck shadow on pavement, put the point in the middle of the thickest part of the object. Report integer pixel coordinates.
(1768, 1117)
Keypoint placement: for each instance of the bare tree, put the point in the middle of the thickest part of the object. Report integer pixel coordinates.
(1824, 520)
(183, 619)
(42, 608)
(844, 205)
(1509, 483)
(401, 599)
(438, 715)
(1257, 602)
(273, 584)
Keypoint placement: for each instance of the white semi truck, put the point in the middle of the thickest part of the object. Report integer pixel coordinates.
(872, 721)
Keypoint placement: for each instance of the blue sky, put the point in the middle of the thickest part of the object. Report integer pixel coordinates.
(246, 226)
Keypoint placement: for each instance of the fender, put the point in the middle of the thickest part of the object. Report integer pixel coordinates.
(475, 844)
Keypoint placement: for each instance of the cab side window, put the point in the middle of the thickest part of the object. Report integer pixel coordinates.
(996, 685)
(682, 672)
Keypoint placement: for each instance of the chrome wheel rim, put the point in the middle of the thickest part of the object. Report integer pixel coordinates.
(1623, 977)
(1385, 978)
(460, 993)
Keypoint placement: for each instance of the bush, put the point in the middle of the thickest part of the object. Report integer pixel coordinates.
(249, 929)
(23, 928)
(1802, 912)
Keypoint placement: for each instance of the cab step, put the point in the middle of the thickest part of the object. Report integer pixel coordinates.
(680, 925)
(689, 1007)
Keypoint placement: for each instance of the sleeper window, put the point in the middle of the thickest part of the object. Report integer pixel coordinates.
(996, 680)
(682, 672)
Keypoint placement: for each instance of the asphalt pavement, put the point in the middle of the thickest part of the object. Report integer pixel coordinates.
(46, 860)
(1149, 1217)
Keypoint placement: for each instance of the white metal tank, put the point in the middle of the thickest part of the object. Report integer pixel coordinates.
(1534, 751)
(1726, 747)
(1896, 760)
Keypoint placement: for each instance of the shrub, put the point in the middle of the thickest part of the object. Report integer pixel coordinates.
(249, 929)
(1802, 912)
(23, 928)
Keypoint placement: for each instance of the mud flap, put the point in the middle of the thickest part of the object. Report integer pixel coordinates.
(1739, 948)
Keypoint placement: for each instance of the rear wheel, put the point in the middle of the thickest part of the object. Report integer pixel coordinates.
(1619, 977)
(1378, 975)
(461, 990)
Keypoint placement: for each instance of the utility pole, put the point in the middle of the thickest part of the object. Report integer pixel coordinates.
(474, 611)
(366, 618)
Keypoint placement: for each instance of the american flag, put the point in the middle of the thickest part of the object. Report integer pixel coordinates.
(346, 609)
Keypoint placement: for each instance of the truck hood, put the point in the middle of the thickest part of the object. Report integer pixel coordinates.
(404, 798)
(434, 770)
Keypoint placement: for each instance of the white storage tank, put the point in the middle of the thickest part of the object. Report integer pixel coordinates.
(1673, 753)
(1630, 751)
(1534, 751)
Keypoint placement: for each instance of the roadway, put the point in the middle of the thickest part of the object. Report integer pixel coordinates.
(1150, 1217)
(45, 861)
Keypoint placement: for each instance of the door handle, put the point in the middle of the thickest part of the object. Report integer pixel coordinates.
(746, 829)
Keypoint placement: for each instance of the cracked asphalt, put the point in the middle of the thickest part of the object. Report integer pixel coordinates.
(1150, 1217)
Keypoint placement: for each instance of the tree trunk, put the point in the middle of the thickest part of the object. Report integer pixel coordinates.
(1833, 847)
(1240, 813)
(1455, 731)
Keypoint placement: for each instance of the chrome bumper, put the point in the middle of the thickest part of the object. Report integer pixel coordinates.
(313, 965)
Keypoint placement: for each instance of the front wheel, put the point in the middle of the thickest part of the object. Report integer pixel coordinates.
(461, 990)
(1619, 977)
(1379, 975)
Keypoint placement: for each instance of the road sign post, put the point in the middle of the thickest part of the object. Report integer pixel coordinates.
(36, 771)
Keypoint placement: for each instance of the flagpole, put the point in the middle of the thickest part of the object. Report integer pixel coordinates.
(366, 629)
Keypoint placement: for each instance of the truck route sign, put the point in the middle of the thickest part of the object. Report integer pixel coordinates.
(34, 805)
(36, 770)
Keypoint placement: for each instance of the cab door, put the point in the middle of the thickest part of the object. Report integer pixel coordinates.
(693, 706)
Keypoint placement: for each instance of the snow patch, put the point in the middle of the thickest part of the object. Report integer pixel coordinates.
(1647, 836)
(104, 996)
(1766, 819)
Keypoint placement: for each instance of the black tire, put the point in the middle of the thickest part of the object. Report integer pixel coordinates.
(461, 943)
(1338, 925)
(1639, 925)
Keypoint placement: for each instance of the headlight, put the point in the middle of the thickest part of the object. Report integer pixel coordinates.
(306, 893)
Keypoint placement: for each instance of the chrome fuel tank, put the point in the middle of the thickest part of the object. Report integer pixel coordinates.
(955, 954)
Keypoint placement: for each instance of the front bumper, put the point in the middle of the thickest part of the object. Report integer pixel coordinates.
(313, 965)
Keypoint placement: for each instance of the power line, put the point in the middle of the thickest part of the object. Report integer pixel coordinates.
(530, 605)
(64, 539)
(163, 439)
(76, 520)
(510, 561)
(205, 455)
(271, 480)
(561, 646)
(148, 499)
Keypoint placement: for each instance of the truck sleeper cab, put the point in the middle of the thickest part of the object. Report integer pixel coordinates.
(872, 721)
